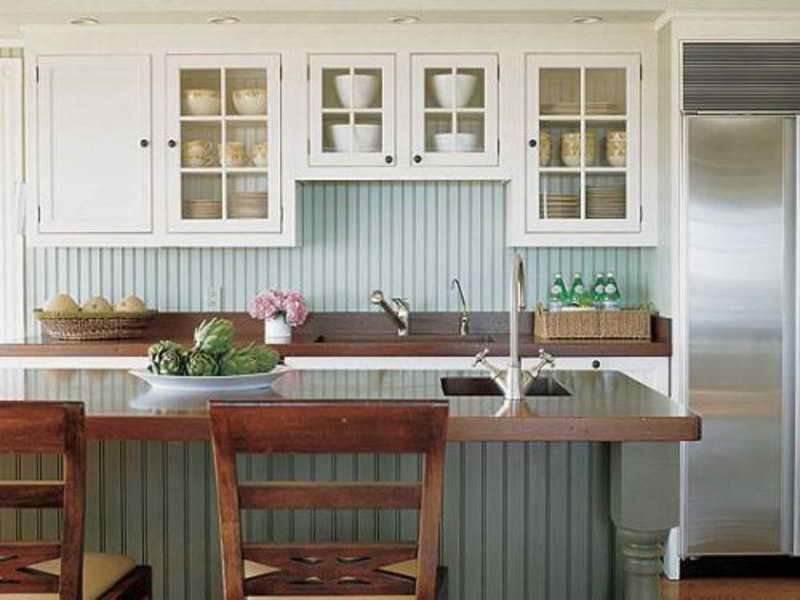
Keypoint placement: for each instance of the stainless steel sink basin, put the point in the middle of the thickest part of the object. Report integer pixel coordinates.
(408, 339)
(483, 386)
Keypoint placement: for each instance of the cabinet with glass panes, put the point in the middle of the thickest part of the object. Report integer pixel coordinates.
(224, 143)
(582, 166)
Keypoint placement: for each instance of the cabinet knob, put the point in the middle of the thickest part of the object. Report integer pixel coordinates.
(144, 143)
(417, 158)
(388, 160)
(595, 364)
(532, 143)
(172, 143)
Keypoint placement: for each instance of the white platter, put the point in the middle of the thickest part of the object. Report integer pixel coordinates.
(206, 384)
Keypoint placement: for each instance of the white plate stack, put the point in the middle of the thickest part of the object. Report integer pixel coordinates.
(247, 205)
(561, 108)
(202, 208)
(560, 206)
(605, 202)
(603, 108)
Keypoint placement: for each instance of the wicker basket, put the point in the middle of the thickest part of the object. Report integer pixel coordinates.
(592, 324)
(93, 326)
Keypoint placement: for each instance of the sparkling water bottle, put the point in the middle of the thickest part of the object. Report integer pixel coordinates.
(598, 289)
(612, 298)
(558, 297)
(577, 295)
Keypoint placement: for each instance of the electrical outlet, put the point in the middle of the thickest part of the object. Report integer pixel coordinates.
(213, 298)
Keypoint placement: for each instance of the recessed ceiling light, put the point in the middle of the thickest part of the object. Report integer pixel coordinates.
(404, 20)
(224, 20)
(585, 19)
(84, 21)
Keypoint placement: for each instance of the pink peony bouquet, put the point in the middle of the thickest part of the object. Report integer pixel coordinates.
(273, 303)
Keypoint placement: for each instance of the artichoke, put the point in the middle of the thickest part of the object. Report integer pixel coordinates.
(201, 364)
(239, 361)
(166, 358)
(214, 336)
(266, 358)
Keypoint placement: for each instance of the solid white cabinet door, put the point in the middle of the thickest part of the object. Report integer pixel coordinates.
(94, 154)
(454, 110)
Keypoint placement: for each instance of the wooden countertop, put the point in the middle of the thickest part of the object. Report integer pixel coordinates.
(362, 334)
(602, 405)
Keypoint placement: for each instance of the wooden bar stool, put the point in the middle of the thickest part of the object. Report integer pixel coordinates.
(58, 570)
(322, 571)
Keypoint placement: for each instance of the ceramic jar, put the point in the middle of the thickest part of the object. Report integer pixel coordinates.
(198, 154)
(250, 101)
(617, 148)
(258, 154)
(571, 149)
(201, 102)
(235, 155)
(277, 330)
(545, 148)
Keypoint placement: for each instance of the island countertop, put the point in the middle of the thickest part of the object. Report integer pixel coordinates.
(601, 405)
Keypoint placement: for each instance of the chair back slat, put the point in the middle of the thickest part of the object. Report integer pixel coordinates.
(330, 427)
(31, 494)
(306, 494)
(316, 569)
(45, 427)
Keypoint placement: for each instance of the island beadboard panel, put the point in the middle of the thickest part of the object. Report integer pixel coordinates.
(521, 521)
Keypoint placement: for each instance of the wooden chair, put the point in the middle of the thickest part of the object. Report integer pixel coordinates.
(369, 570)
(58, 570)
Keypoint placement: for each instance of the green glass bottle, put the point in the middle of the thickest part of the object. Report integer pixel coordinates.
(612, 297)
(598, 289)
(558, 297)
(577, 294)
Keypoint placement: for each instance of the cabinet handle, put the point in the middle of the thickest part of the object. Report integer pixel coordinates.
(172, 143)
(144, 143)
(388, 160)
(595, 364)
(532, 143)
(417, 158)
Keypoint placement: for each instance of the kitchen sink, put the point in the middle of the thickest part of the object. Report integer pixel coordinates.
(407, 339)
(483, 386)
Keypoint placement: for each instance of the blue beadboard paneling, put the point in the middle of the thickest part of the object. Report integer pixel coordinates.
(407, 238)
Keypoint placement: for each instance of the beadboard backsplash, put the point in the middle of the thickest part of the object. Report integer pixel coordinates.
(406, 238)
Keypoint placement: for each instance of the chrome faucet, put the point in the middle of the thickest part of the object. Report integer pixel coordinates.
(463, 321)
(399, 316)
(514, 381)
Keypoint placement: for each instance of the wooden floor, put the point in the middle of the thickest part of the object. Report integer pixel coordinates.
(732, 589)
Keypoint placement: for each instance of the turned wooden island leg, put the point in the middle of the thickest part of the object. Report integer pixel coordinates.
(645, 504)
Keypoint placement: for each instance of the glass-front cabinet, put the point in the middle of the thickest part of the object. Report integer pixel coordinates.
(454, 118)
(352, 112)
(223, 156)
(582, 168)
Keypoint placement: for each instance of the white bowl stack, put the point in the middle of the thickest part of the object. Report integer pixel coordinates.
(359, 137)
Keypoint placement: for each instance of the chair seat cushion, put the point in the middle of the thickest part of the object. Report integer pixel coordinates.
(407, 568)
(100, 573)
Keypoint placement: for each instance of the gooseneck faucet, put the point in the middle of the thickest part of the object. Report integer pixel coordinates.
(399, 316)
(463, 321)
(514, 381)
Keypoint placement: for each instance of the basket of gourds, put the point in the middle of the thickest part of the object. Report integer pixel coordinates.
(96, 319)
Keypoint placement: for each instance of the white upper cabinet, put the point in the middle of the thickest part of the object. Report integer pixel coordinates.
(223, 143)
(583, 122)
(352, 110)
(454, 116)
(93, 152)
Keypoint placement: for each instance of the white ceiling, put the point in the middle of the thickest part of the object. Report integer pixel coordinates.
(14, 13)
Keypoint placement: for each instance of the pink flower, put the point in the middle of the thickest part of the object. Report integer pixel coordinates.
(274, 303)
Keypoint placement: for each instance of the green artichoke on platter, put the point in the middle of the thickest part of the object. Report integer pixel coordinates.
(239, 361)
(201, 364)
(167, 358)
(266, 358)
(214, 336)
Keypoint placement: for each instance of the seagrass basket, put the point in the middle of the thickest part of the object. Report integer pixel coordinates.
(94, 326)
(627, 324)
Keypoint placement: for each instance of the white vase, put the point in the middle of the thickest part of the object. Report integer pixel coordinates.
(277, 331)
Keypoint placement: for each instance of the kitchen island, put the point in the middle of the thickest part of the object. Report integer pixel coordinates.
(526, 514)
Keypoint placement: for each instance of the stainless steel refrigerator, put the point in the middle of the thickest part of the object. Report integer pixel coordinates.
(741, 496)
